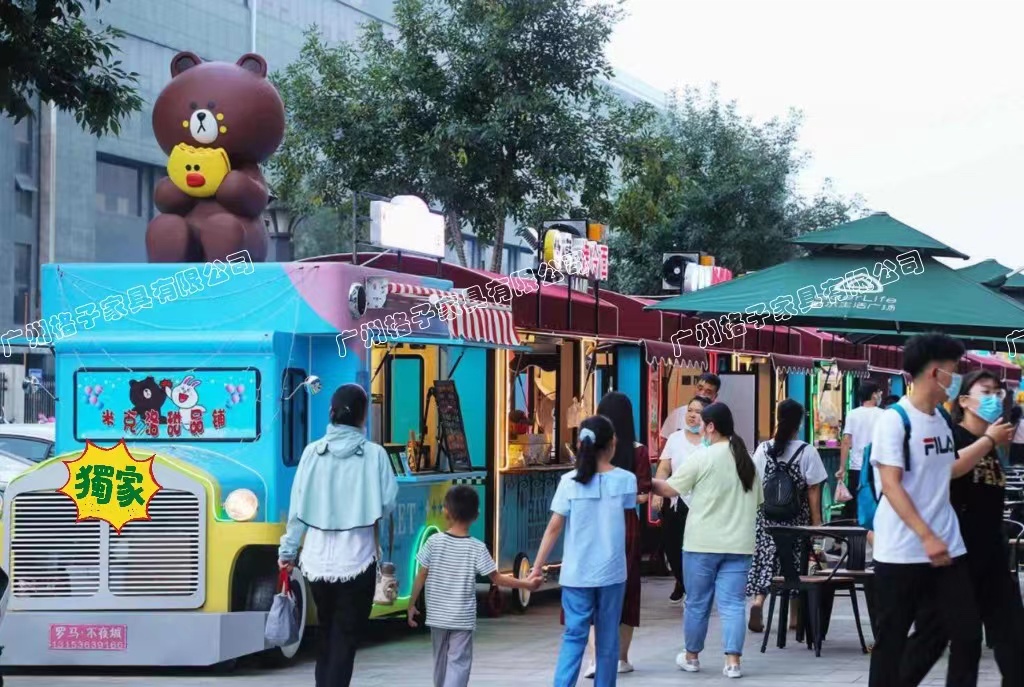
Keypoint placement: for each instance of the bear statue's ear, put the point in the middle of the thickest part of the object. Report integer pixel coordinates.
(183, 61)
(251, 62)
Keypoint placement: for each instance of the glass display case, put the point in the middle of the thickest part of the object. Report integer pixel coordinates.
(828, 403)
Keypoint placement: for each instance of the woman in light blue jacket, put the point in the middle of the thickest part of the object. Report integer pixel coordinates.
(343, 487)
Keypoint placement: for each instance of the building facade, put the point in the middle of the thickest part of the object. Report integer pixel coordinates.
(72, 197)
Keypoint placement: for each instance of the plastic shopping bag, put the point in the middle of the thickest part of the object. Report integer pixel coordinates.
(842, 493)
(282, 625)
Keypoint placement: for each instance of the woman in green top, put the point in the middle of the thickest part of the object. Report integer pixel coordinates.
(719, 539)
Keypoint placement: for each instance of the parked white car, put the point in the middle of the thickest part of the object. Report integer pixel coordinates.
(10, 467)
(32, 442)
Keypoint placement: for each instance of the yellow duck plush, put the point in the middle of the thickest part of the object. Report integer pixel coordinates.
(198, 172)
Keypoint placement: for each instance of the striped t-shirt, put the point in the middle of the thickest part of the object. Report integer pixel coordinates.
(453, 564)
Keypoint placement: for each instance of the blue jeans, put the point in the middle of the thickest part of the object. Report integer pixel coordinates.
(583, 606)
(719, 576)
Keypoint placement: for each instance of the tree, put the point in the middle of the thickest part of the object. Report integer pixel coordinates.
(46, 49)
(702, 177)
(489, 109)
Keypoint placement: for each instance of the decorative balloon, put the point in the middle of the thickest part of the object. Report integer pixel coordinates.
(92, 396)
(236, 394)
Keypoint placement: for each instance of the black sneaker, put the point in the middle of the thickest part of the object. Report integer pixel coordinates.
(677, 594)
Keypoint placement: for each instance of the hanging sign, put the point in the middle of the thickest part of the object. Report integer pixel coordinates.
(198, 404)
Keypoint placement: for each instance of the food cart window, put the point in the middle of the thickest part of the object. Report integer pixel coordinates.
(405, 396)
(605, 374)
(828, 403)
(533, 401)
(294, 416)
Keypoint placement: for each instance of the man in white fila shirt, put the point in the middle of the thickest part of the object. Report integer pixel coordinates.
(920, 558)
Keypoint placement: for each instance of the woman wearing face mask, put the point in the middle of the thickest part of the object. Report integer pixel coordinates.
(720, 540)
(977, 498)
(680, 446)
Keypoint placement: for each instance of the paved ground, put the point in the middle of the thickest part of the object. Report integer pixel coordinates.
(520, 650)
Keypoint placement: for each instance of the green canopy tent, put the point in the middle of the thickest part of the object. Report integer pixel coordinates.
(985, 270)
(873, 280)
(995, 275)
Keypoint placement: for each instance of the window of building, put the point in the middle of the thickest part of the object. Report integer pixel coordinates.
(23, 141)
(26, 201)
(118, 188)
(510, 259)
(22, 281)
(469, 246)
(294, 416)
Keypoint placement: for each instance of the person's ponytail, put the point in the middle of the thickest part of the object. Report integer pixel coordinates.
(719, 415)
(744, 464)
(596, 434)
(788, 418)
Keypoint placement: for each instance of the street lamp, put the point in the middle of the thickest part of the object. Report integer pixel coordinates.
(280, 223)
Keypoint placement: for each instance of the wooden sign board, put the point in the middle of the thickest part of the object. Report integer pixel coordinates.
(453, 431)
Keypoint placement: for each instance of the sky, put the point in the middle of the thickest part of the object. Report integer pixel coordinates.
(916, 105)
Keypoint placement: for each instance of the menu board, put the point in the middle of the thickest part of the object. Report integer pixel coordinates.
(453, 431)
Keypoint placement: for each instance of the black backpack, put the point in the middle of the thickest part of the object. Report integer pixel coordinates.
(781, 497)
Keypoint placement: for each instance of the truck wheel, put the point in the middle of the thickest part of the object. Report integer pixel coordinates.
(521, 570)
(260, 597)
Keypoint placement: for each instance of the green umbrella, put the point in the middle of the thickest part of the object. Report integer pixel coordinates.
(876, 291)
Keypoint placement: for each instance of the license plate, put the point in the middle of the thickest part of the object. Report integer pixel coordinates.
(89, 637)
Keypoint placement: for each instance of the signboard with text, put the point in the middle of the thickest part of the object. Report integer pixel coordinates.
(407, 224)
(197, 404)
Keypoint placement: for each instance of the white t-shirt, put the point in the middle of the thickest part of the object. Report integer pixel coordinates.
(677, 449)
(811, 467)
(860, 425)
(932, 454)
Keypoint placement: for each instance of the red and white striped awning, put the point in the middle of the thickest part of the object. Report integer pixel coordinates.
(468, 319)
(482, 321)
(414, 290)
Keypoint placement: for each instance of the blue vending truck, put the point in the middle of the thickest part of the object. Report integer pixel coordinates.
(213, 370)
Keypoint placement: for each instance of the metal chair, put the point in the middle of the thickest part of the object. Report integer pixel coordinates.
(810, 588)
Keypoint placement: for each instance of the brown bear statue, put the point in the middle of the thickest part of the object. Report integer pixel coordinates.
(217, 121)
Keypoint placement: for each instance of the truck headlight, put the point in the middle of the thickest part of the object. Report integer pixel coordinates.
(241, 505)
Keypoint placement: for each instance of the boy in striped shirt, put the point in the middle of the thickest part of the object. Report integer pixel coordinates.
(450, 563)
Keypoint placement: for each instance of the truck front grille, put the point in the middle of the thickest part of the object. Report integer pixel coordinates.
(51, 554)
(156, 563)
(158, 557)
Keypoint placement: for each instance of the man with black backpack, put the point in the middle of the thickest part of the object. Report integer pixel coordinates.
(919, 554)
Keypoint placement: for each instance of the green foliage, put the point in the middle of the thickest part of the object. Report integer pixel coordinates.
(702, 177)
(490, 109)
(47, 50)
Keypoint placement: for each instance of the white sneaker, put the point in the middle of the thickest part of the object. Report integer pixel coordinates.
(590, 671)
(690, 665)
(732, 671)
(625, 667)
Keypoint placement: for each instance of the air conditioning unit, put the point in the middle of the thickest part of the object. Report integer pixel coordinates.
(674, 270)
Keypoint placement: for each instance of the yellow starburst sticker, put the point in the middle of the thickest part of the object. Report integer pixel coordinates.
(110, 485)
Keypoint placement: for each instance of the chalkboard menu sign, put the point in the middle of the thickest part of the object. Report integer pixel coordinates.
(453, 432)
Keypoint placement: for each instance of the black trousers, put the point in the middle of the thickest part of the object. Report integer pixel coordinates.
(1016, 454)
(1002, 613)
(905, 591)
(342, 609)
(673, 525)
